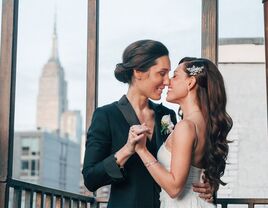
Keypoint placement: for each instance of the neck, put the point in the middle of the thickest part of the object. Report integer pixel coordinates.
(188, 107)
(138, 101)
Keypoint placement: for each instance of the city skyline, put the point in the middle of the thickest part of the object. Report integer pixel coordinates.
(34, 41)
(56, 142)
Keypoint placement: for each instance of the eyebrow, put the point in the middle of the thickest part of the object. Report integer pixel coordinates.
(165, 69)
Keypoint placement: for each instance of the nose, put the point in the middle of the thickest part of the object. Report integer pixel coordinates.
(166, 80)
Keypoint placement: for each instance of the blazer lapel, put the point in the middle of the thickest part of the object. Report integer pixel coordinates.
(127, 110)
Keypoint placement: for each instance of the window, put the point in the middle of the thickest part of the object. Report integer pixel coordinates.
(32, 167)
(50, 87)
(155, 20)
(24, 165)
(25, 150)
(242, 63)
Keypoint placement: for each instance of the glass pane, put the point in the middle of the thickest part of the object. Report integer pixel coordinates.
(172, 24)
(50, 92)
(177, 24)
(242, 63)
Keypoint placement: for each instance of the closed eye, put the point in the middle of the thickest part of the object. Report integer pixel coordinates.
(162, 73)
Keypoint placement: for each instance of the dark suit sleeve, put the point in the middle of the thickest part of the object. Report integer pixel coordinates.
(100, 167)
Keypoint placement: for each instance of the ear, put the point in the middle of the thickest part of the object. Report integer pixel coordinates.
(191, 83)
(137, 74)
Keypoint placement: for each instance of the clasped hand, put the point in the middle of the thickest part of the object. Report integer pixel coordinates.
(137, 137)
(136, 142)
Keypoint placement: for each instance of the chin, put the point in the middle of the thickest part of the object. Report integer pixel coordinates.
(155, 97)
(169, 99)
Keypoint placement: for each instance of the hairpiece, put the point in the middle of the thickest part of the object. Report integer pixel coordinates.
(195, 70)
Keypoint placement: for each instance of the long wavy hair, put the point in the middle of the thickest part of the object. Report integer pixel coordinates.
(212, 100)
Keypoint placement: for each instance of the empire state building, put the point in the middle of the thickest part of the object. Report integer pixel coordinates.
(52, 95)
(56, 144)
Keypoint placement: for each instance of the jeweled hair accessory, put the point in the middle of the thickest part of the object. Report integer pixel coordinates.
(195, 70)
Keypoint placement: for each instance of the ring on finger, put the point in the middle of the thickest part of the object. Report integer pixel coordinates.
(132, 133)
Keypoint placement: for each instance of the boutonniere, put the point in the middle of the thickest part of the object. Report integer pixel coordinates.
(166, 125)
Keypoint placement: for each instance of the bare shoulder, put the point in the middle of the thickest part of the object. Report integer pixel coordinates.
(185, 129)
(185, 125)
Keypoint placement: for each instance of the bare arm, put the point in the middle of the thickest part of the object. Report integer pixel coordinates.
(174, 180)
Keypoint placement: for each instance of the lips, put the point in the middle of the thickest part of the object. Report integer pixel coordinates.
(160, 89)
(169, 90)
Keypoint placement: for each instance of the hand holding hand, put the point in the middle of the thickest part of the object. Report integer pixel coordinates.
(141, 143)
(136, 134)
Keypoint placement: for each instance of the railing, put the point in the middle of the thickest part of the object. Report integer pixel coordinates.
(251, 202)
(23, 194)
(224, 202)
(29, 195)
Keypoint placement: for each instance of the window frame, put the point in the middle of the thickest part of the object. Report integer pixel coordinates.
(9, 30)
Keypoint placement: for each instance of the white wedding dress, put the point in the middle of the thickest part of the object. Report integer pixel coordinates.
(188, 198)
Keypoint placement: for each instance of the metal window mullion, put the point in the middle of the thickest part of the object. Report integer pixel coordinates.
(209, 48)
(92, 59)
(7, 93)
(265, 11)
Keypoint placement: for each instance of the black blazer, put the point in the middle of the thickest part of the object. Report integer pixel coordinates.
(133, 186)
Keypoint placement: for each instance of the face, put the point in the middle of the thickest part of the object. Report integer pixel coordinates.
(152, 82)
(178, 86)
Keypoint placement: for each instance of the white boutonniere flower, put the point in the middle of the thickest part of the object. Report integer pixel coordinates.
(166, 125)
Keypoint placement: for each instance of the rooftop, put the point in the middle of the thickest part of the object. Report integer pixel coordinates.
(239, 41)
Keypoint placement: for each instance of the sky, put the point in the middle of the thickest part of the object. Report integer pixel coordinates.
(176, 23)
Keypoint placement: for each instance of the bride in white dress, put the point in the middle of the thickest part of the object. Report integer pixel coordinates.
(198, 145)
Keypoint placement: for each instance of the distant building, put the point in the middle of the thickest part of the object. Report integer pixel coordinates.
(52, 95)
(242, 63)
(50, 156)
(71, 125)
(47, 159)
(52, 103)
